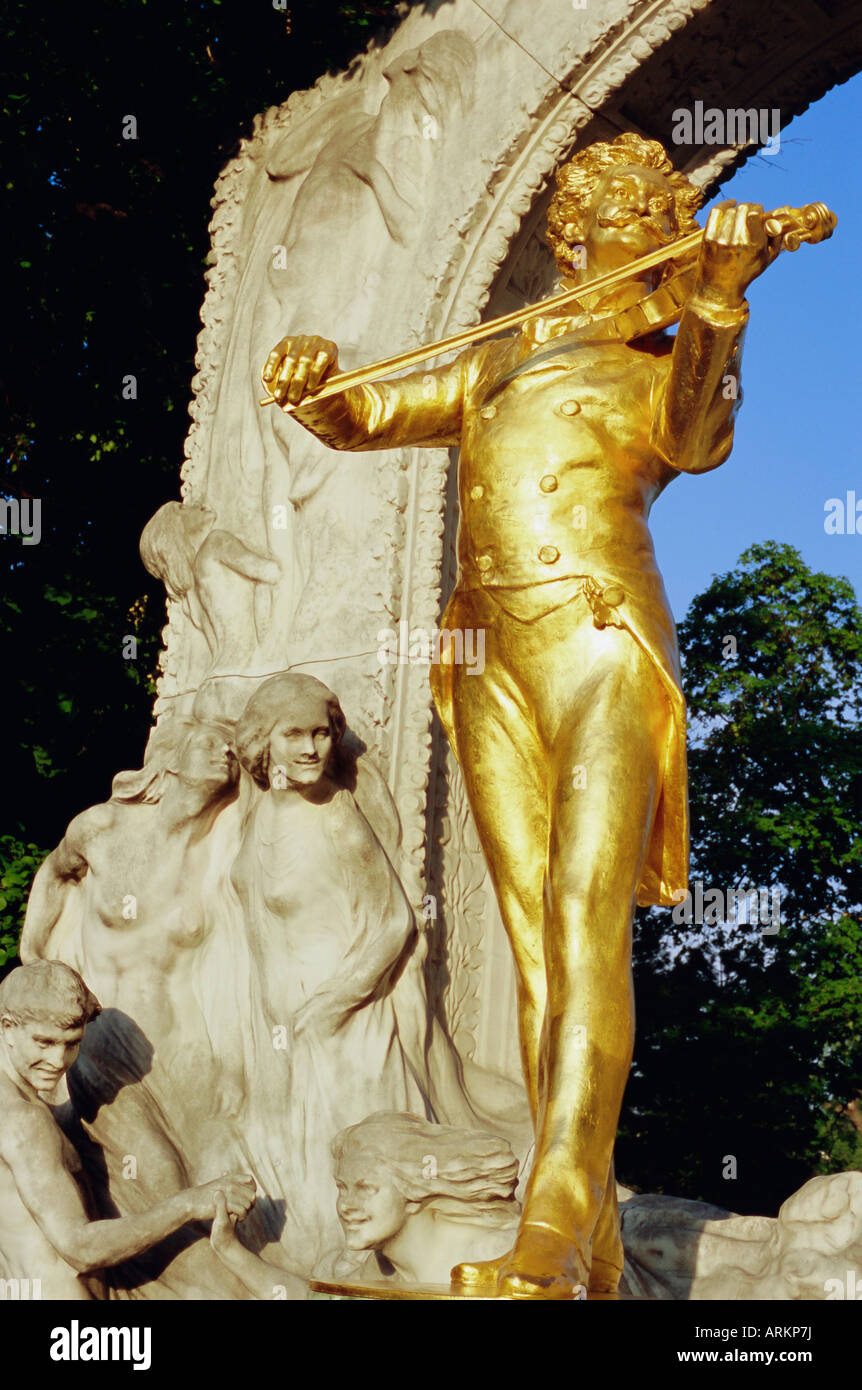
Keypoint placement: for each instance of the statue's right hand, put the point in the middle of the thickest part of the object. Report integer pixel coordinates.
(236, 1189)
(297, 365)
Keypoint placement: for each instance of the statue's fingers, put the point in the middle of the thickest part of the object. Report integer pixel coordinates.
(300, 378)
(270, 366)
(235, 1201)
(739, 225)
(282, 382)
(713, 222)
(321, 362)
(718, 225)
(755, 223)
(747, 218)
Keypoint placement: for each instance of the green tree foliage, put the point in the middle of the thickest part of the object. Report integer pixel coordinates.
(750, 1044)
(18, 864)
(106, 243)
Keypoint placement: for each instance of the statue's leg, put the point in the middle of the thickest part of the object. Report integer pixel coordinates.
(607, 735)
(502, 762)
(503, 766)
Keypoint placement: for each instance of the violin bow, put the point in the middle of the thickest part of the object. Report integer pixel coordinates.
(812, 223)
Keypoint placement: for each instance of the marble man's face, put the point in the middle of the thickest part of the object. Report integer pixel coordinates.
(632, 212)
(370, 1207)
(300, 744)
(41, 1051)
(207, 759)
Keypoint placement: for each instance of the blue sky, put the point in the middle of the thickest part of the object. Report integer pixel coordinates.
(797, 433)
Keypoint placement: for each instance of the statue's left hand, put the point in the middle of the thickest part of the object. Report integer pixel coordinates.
(734, 251)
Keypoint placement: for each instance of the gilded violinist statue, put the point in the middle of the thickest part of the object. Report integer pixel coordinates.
(572, 739)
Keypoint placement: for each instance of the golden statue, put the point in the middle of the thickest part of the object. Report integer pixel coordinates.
(572, 740)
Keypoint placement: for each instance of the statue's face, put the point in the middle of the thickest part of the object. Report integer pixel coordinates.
(300, 744)
(632, 212)
(370, 1207)
(207, 760)
(41, 1051)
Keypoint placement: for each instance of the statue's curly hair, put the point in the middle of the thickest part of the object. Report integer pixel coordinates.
(577, 179)
(47, 990)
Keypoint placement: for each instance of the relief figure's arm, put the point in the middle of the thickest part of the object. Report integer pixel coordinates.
(263, 1279)
(65, 865)
(32, 1148)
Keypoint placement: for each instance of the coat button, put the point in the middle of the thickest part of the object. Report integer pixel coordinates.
(569, 408)
(613, 595)
(477, 492)
(548, 483)
(488, 412)
(484, 562)
(549, 554)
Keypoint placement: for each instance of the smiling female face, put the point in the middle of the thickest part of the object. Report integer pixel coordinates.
(300, 744)
(370, 1207)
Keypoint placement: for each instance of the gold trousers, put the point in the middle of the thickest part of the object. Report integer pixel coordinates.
(562, 740)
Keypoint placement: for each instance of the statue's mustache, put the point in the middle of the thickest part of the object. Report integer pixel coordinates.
(626, 216)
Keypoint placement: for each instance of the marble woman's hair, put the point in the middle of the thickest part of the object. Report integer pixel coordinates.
(47, 989)
(474, 1173)
(268, 706)
(164, 754)
(168, 547)
(576, 182)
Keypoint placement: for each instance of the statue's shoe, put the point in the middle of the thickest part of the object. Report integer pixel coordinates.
(544, 1264)
(480, 1276)
(485, 1276)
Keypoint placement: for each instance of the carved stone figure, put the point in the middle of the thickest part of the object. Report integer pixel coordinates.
(226, 591)
(329, 930)
(50, 1235)
(133, 868)
(418, 1197)
(123, 900)
(262, 972)
(676, 1249)
(410, 1196)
